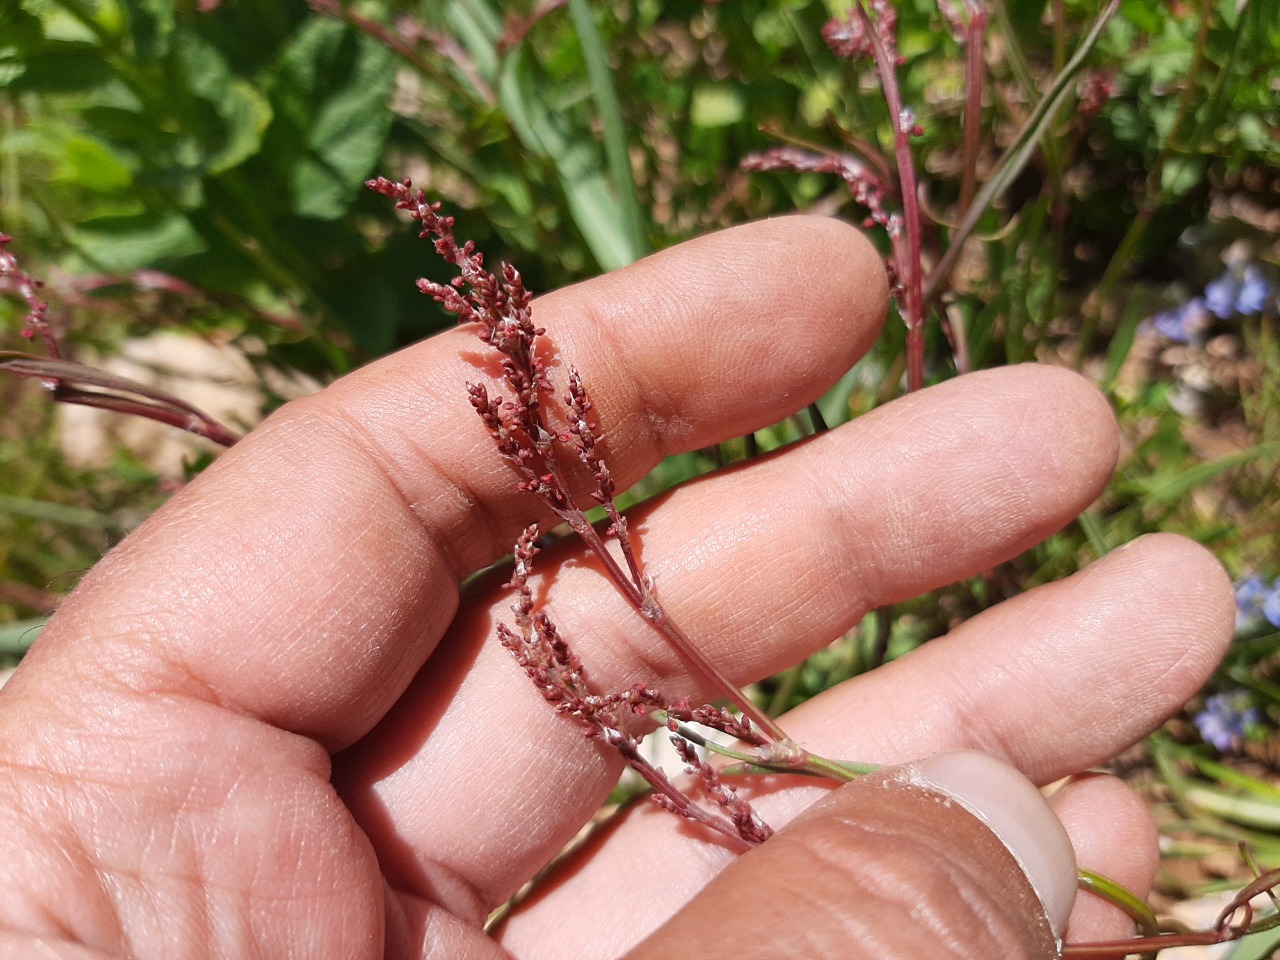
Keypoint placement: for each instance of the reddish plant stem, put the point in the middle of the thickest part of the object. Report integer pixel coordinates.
(71, 382)
(672, 799)
(908, 258)
(641, 597)
(974, 72)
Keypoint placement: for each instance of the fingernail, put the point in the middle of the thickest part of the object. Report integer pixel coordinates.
(1011, 806)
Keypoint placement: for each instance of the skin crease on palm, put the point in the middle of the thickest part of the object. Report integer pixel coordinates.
(269, 725)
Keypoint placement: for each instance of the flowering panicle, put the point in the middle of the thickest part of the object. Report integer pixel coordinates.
(616, 718)
(867, 188)
(27, 287)
(500, 307)
(856, 35)
(1096, 89)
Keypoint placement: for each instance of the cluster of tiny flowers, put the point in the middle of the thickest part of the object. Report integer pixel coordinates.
(855, 35)
(1227, 718)
(1242, 290)
(867, 188)
(1256, 601)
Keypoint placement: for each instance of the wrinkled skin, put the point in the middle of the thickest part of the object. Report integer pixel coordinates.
(269, 725)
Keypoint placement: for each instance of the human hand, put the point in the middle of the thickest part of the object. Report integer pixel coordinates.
(165, 748)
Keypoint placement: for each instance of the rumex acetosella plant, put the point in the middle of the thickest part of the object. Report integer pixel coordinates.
(539, 433)
(887, 184)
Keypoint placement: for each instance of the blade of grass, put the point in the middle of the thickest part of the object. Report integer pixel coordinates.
(57, 513)
(609, 109)
(1160, 490)
(1019, 152)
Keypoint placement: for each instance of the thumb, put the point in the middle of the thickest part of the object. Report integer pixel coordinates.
(954, 856)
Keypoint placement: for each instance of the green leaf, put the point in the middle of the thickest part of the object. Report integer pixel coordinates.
(56, 67)
(1256, 946)
(151, 25)
(1247, 811)
(477, 26)
(1165, 489)
(541, 128)
(1181, 175)
(122, 244)
(1015, 158)
(331, 88)
(242, 112)
(89, 163)
(58, 513)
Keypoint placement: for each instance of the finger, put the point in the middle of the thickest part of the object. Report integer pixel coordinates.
(897, 865)
(761, 566)
(306, 575)
(1056, 680)
(1113, 834)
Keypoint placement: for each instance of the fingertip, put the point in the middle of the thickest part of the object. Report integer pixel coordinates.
(1114, 835)
(1197, 610)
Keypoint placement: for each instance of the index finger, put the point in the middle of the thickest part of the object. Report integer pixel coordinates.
(307, 575)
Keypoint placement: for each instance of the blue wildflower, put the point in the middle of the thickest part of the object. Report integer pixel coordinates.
(1254, 291)
(1226, 718)
(1271, 605)
(1220, 295)
(1185, 323)
(1250, 592)
(1256, 600)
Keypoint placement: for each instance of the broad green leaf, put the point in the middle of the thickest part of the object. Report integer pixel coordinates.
(121, 244)
(242, 111)
(1181, 175)
(55, 67)
(331, 88)
(151, 27)
(89, 163)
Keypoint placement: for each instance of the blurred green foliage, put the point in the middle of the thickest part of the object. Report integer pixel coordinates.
(200, 166)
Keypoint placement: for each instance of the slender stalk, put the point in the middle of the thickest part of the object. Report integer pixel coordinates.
(974, 73)
(642, 599)
(909, 266)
